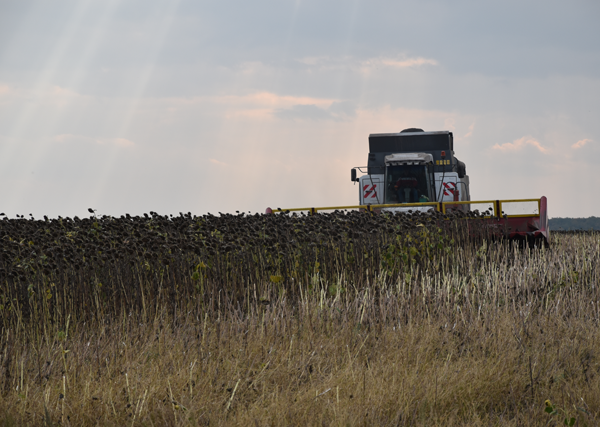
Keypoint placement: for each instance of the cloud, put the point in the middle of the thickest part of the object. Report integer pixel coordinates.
(580, 143)
(261, 105)
(410, 62)
(520, 144)
(379, 63)
(449, 124)
(343, 108)
(313, 60)
(266, 105)
(336, 111)
(349, 62)
(69, 138)
(269, 99)
(61, 91)
(468, 134)
(7, 95)
(217, 162)
(121, 142)
(81, 139)
(303, 112)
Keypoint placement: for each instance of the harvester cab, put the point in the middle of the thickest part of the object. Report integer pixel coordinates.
(412, 166)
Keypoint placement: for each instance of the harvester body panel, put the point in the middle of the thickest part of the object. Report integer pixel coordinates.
(371, 190)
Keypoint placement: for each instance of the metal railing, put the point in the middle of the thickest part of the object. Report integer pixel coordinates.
(495, 207)
(521, 201)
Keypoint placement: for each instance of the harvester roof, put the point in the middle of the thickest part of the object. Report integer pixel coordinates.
(411, 142)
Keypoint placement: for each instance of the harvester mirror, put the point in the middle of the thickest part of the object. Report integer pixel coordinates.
(353, 175)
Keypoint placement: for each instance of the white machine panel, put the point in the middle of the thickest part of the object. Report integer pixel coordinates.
(371, 190)
(449, 189)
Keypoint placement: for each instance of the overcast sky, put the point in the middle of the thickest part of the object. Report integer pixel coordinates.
(131, 106)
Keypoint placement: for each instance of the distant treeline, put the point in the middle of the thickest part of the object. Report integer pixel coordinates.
(591, 223)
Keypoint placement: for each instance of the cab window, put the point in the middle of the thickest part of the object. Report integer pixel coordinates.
(407, 184)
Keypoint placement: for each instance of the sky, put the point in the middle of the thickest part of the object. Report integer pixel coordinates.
(132, 106)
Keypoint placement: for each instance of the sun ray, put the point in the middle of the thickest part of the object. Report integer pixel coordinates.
(30, 115)
(159, 35)
(57, 116)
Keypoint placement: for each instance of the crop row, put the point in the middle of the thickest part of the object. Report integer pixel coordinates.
(107, 265)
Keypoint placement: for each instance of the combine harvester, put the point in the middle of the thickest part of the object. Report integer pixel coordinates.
(417, 171)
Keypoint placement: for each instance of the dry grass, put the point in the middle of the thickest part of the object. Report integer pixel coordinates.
(483, 340)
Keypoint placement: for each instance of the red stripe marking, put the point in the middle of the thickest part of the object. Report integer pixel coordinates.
(367, 193)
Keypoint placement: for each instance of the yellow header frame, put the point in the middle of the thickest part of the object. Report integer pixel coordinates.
(438, 206)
